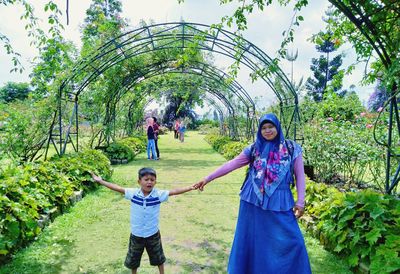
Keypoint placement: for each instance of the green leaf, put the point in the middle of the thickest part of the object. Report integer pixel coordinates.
(13, 230)
(353, 259)
(377, 211)
(373, 235)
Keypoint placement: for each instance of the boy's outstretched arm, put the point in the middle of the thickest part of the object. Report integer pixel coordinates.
(109, 185)
(181, 190)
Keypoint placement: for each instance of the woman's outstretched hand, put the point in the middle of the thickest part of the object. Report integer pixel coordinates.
(298, 211)
(201, 184)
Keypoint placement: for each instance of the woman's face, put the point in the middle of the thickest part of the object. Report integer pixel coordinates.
(269, 131)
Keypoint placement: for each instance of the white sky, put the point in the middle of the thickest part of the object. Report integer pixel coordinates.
(264, 30)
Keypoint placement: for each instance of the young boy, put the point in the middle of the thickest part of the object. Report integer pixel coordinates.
(145, 211)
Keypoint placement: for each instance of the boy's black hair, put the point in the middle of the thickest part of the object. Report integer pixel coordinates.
(155, 119)
(146, 171)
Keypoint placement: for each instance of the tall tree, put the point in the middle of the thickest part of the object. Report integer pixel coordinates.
(55, 58)
(326, 73)
(103, 21)
(14, 91)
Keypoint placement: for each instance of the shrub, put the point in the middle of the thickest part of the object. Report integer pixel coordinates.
(28, 191)
(233, 149)
(217, 141)
(362, 227)
(78, 165)
(119, 151)
(208, 129)
(136, 144)
(344, 150)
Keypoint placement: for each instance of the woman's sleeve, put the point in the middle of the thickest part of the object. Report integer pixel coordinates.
(300, 180)
(241, 160)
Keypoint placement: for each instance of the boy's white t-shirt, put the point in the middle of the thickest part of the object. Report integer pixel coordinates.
(145, 211)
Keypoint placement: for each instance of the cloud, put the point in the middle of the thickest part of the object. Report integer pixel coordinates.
(264, 30)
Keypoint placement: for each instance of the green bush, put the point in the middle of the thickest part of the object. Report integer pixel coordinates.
(28, 191)
(208, 129)
(362, 227)
(233, 149)
(224, 145)
(346, 151)
(345, 108)
(78, 165)
(137, 144)
(119, 151)
(217, 141)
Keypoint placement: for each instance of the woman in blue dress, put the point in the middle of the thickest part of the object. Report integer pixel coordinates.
(267, 237)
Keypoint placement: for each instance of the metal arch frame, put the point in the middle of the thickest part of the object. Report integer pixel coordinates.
(150, 38)
(206, 71)
(157, 69)
(368, 28)
(227, 48)
(221, 98)
(220, 112)
(161, 68)
(234, 87)
(210, 100)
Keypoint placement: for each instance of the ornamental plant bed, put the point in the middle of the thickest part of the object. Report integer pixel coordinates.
(362, 227)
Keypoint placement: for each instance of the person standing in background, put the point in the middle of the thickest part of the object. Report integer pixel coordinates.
(150, 140)
(156, 128)
(182, 129)
(176, 129)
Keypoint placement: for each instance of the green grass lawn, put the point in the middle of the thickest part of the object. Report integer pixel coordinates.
(197, 228)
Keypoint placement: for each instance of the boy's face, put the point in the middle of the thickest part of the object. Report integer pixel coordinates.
(147, 183)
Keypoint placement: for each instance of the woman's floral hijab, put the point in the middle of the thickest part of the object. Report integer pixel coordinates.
(271, 164)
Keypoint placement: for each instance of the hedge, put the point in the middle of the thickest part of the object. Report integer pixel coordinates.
(362, 227)
(124, 150)
(33, 190)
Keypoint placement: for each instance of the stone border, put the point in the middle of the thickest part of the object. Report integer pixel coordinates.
(118, 161)
(52, 213)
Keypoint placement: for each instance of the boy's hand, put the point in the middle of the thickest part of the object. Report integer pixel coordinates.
(95, 177)
(194, 186)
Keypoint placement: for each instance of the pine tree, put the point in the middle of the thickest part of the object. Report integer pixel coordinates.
(326, 73)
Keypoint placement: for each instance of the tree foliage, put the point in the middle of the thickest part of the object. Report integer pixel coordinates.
(327, 77)
(378, 98)
(14, 91)
(55, 58)
(25, 126)
(37, 34)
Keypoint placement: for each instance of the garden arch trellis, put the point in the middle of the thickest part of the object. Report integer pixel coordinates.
(209, 97)
(180, 35)
(204, 70)
(212, 96)
(214, 75)
(384, 41)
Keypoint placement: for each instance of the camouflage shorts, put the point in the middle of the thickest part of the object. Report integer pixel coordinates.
(138, 244)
